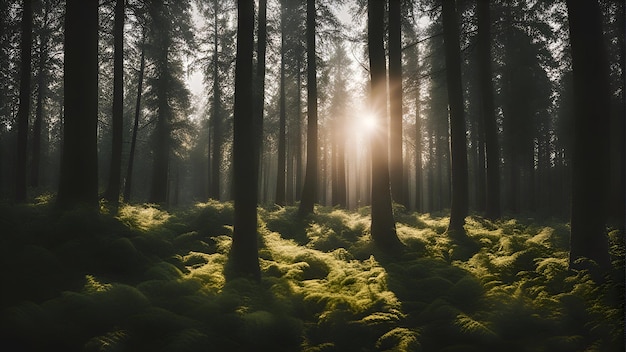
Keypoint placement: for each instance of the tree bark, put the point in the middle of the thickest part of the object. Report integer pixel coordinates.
(244, 251)
(79, 162)
(590, 163)
(309, 189)
(24, 107)
(113, 190)
(395, 104)
(458, 148)
(383, 226)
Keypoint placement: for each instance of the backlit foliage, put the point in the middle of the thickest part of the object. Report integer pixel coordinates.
(153, 280)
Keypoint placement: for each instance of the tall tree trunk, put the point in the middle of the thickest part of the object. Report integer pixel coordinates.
(309, 190)
(298, 129)
(78, 183)
(133, 140)
(395, 104)
(244, 251)
(259, 102)
(280, 176)
(418, 152)
(590, 163)
(383, 226)
(113, 191)
(216, 160)
(42, 81)
(24, 107)
(160, 171)
(458, 148)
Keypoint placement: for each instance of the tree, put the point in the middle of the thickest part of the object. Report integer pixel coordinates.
(45, 32)
(282, 142)
(260, 80)
(339, 64)
(112, 193)
(244, 250)
(488, 111)
(395, 103)
(169, 35)
(24, 107)
(78, 183)
(383, 226)
(309, 190)
(133, 139)
(458, 148)
(590, 163)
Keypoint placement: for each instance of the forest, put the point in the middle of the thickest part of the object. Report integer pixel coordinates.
(313, 175)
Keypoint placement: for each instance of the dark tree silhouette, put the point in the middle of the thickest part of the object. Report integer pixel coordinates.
(112, 193)
(395, 104)
(458, 148)
(43, 76)
(591, 151)
(260, 81)
(488, 111)
(383, 227)
(282, 142)
(244, 251)
(133, 139)
(309, 189)
(216, 114)
(24, 107)
(78, 184)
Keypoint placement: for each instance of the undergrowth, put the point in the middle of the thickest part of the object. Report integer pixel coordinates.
(152, 280)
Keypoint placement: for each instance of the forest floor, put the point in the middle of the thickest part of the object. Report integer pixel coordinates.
(152, 280)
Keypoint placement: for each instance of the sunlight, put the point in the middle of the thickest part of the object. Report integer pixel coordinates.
(367, 123)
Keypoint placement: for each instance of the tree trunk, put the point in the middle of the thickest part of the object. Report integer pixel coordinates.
(383, 226)
(216, 160)
(298, 129)
(309, 189)
(590, 163)
(280, 176)
(260, 79)
(42, 80)
(395, 104)
(24, 107)
(418, 152)
(79, 162)
(244, 251)
(458, 148)
(133, 141)
(113, 191)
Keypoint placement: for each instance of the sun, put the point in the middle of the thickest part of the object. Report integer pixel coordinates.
(368, 123)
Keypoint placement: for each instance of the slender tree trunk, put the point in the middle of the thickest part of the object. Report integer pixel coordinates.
(280, 177)
(383, 226)
(590, 163)
(458, 149)
(260, 79)
(418, 152)
(24, 107)
(216, 160)
(298, 128)
(133, 140)
(79, 163)
(113, 191)
(341, 165)
(309, 190)
(395, 104)
(244, 251)
(42, 78)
